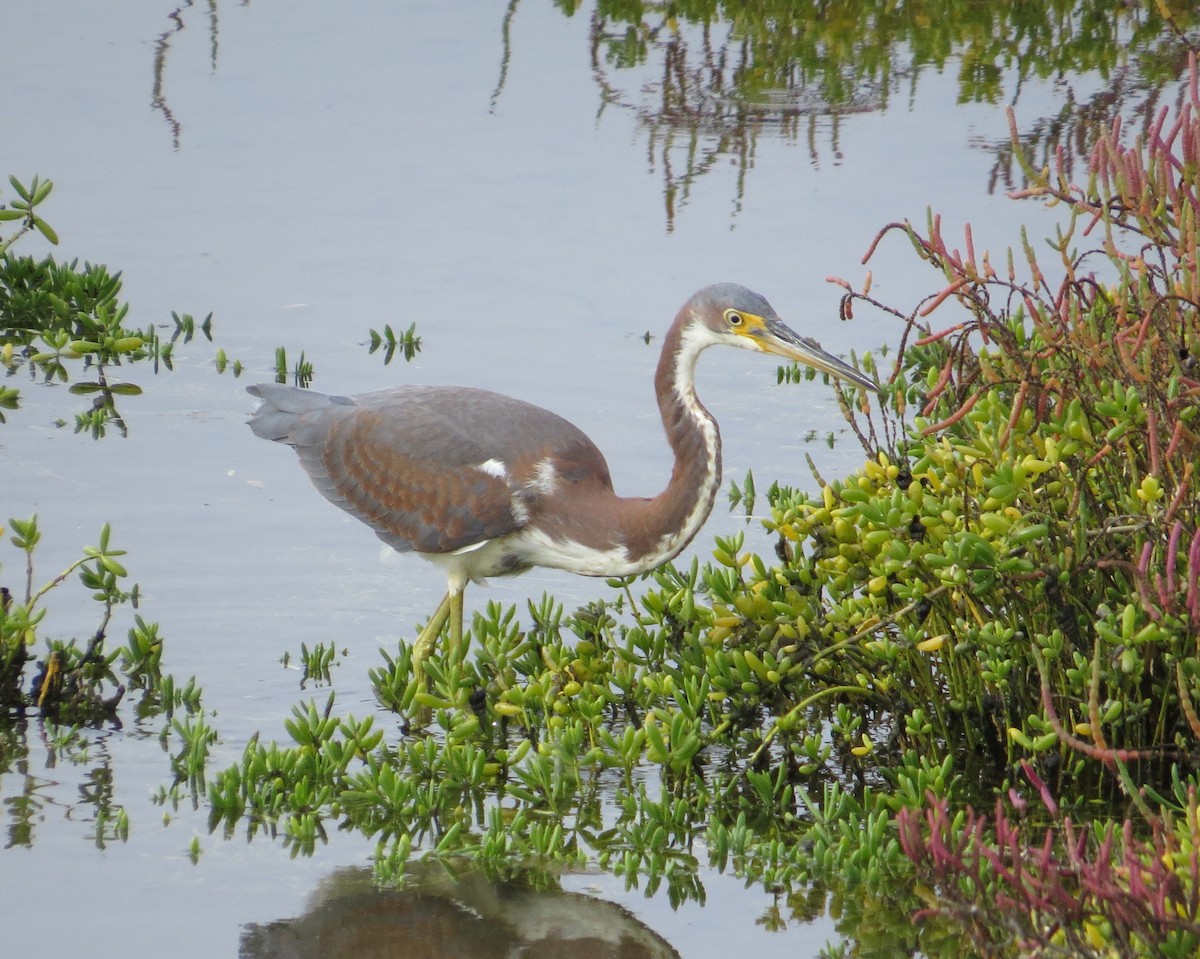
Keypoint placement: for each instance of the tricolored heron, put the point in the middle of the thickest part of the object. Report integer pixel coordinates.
(485, 485)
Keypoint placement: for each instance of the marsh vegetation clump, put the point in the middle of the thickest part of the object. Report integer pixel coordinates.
(1030, 545)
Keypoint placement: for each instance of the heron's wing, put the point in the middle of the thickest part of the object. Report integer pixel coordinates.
(432, 469)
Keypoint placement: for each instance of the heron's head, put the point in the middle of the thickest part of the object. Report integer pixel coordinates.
(736, 316)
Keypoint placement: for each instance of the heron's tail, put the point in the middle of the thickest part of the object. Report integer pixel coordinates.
(281, 408)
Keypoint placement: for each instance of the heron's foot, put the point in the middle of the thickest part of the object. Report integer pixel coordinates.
(420, 716)
(422, 646)
(449, 610)
(418, 666)
(427, 638)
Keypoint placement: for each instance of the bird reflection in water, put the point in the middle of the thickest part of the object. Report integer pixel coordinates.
(441, 915)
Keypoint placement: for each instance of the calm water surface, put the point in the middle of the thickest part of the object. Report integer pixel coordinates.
(308, 171)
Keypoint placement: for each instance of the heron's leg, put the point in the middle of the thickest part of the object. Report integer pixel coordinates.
(428, 637)
(455, 598)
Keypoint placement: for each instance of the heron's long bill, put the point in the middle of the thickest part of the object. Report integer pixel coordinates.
(784, 341)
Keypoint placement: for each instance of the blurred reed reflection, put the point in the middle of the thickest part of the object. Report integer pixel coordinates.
(707, 78)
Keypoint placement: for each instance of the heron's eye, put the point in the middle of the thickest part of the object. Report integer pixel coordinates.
(734, 318)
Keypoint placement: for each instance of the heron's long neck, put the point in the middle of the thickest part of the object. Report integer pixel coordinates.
(598, 533)
(673, 518)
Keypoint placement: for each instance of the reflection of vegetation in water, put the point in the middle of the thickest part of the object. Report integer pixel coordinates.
(29, 806)
(162, 52)
(1133, 60)
(708, 78)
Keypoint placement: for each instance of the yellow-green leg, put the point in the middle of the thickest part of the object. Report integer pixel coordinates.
(456, 622)
(428, 637)
(450, 608)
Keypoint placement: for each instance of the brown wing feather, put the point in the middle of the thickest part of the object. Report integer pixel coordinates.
(412, 501)
(408, 461)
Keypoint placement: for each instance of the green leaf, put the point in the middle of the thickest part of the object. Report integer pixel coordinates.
(19, 189)
(112, 566)
(41, 190)
(46, 230)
